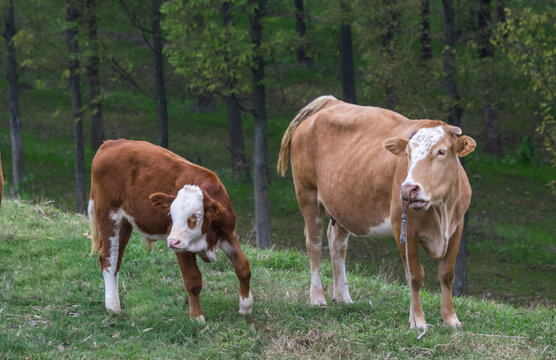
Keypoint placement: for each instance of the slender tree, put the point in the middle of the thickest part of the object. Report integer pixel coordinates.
(161, 102)
(13, 100)
(346, 54)
(425, 38)
(97, 129)
(235, 128)
(389, 27)
(260, 163)
(493, 144)
(455, 111)
(155, 43)
(301, 28)
(72, 18)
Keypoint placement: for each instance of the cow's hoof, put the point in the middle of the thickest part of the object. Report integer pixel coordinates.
(343, 300)
(319, 303)
(114, 310)
(421, 324)
(246, 304)
(453, 322)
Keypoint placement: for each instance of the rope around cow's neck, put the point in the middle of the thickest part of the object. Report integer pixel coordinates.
(403, 240)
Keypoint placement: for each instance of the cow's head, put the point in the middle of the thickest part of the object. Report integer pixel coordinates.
(192, 211)
(433, 162)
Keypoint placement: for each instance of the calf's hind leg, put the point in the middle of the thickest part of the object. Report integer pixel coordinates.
(338, 241)
(115, 233)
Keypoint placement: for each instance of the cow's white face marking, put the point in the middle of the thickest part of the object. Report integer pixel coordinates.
(187, 219)
(421, 144)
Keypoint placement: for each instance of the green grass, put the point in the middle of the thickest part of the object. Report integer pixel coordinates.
(52, 306)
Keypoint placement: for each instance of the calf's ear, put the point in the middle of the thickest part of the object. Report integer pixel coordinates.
(162, 201)
(465, 145)
(395, 145)
(212, 208)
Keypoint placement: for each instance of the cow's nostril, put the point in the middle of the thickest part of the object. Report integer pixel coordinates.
(409, 189)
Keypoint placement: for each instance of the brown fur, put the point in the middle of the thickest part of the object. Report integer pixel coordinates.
(340, 168)
(136, 176)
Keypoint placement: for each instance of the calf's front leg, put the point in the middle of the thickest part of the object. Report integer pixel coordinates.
(193, 281)
(243, 271)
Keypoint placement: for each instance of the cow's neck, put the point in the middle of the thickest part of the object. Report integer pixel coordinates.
(435, 239)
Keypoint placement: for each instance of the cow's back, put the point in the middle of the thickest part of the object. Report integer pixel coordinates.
(339, 151)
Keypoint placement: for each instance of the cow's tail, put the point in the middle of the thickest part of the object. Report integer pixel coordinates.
(95, 236)
(310, 109)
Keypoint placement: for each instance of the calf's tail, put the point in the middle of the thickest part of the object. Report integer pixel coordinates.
(310, 109)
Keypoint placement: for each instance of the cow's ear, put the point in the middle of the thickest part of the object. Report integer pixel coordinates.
(162, 201)
(213, 209)
(465, 145)
(395, 145)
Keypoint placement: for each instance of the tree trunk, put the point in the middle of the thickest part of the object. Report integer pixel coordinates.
(240, 167)
(72, 17)
(425, 44)
(97, 129)
(260, 163)
(13, 100)
(388, 32)
(454, 107)
(161, 102)
(301, 30)
(491, 130)
(500, 12)
(346, 54)
(455, 111)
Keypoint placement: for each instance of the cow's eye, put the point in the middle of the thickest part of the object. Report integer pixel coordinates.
(196, 217)
(441, 152)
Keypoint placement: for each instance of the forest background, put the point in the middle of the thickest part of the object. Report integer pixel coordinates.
(218, 83)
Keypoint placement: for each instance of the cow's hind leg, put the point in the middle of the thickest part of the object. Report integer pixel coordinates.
(115, 232)
(446, 277)
(193, 281)
(338, 241)
(313, 214)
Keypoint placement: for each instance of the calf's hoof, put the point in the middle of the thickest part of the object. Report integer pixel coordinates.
(246, 304)
(200, 319)
(453, 322)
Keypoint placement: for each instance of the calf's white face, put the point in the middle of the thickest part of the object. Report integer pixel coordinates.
(187, 212)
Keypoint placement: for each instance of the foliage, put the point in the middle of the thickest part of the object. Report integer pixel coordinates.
(54, 306)
(528, 37)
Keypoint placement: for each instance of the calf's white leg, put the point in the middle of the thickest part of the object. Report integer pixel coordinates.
(338, 241)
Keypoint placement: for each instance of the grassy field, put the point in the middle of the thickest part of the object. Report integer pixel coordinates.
(52, 306)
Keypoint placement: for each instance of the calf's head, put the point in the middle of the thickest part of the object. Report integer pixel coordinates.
(432, 154)
(192, 211)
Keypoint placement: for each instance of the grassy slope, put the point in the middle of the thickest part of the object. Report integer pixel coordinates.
(52, 306)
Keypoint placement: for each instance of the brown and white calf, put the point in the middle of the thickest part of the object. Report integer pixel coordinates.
(137, 185)
(354, 164)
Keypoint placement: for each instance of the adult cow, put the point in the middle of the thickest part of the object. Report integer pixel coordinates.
(352, 163)
(137, 185)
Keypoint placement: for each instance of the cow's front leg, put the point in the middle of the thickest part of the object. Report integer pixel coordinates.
(193, 283)
(338, 241)
(243, 271)
(417, 279)
(446, 277)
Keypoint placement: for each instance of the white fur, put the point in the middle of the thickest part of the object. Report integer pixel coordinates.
(226, 247)
(111, 276)
(246, 304)
(187, 203)
(421, 144)
(384, 229)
